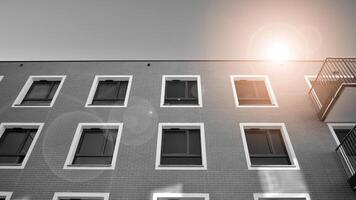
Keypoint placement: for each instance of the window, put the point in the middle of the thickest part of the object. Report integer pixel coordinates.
(95, 146)
(181, 146)
(252, 91)
(181, 91)
(39, 91)
(109, 91)
(281, 196)
(5, 195)
(180, 196)
(267, 146)
(310, 81)
(340, 130)
(80, 196)
(16, 143)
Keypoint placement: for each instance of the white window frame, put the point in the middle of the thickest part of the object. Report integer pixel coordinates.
(7, 195)
(180, 195)
(268, 85)
(282, 127)
(181, 125)
(308, 79)
(6, 125)
(297, 196)
(27, 86)
(59, 195)
(108, 77)
(183, 78)
(73, 147)
(332, 126)
(1, 77)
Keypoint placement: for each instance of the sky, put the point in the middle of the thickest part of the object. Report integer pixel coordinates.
(176, 29)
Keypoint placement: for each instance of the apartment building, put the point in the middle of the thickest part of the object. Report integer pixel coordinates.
(169, 130)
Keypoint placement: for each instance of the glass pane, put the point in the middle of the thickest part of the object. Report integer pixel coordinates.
(175, 89)
(106, 90)
(122, 89)
(341, 133)
(270, 161)
(99, 160)
(257, 142)
(92, 142)
(194, 141)
(174, 142)
(252, 92)
(11, 142)
(180, 198)
(278, 143)
(54, 89)
(299, 198)
(110, 143)
(39, 90)
(28, 142)
(192, 89)
(181, 161)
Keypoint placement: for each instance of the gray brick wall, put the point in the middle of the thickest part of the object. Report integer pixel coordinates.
(321, 174)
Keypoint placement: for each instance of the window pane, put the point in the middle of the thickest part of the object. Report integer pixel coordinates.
(252, 92)
(92, 142)
(175, 89)
(181, 161)
(192, 89)
(180, 198)
(174, 142)
(110, 143)
(98, 160)
(39, 90)
(341, 133)
(122, 89)
(53, 90)
(257, 142)
(278, 143)
(11, 142)
(270, 161)
(299, 198)
(107, 90)
(194, 142)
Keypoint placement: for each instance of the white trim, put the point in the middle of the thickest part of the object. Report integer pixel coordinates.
(58, 195)
(180, 195)
(1, 77)
(181, 77)
(6, 125)
(76, 139)
(297, 196)
(294, 162)
(268, 85)
(108, 77)
(199, 126)
(308, 79)
(7, 195)
(333, 126)
(27, 86)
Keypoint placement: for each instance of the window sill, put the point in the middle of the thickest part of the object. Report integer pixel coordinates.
(273, 167)
(181, 167)
(89, 167)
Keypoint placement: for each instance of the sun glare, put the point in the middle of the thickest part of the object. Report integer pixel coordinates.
(278, 52)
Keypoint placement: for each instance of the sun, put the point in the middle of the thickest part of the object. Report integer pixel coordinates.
(278, 51)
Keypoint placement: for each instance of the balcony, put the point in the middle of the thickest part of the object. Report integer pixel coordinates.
(347, 154)
(334, 90)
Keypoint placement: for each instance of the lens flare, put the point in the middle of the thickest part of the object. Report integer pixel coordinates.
(278, 51)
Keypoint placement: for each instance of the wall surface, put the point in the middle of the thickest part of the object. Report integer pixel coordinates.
(227, 177)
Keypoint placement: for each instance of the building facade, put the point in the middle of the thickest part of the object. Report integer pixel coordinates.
(237, 145)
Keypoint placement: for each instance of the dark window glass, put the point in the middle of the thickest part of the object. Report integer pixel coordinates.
(81, 198)
(41, 93)
(14, 144)
(252, 92)
(110, 92)
(181, 92)
(299, 198)
(181, 147)
(266, 147)
(181, 198)
(341, 133)
(96, 146)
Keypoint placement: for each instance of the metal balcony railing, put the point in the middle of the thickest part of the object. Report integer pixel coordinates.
(334, 73)
(347, 153)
